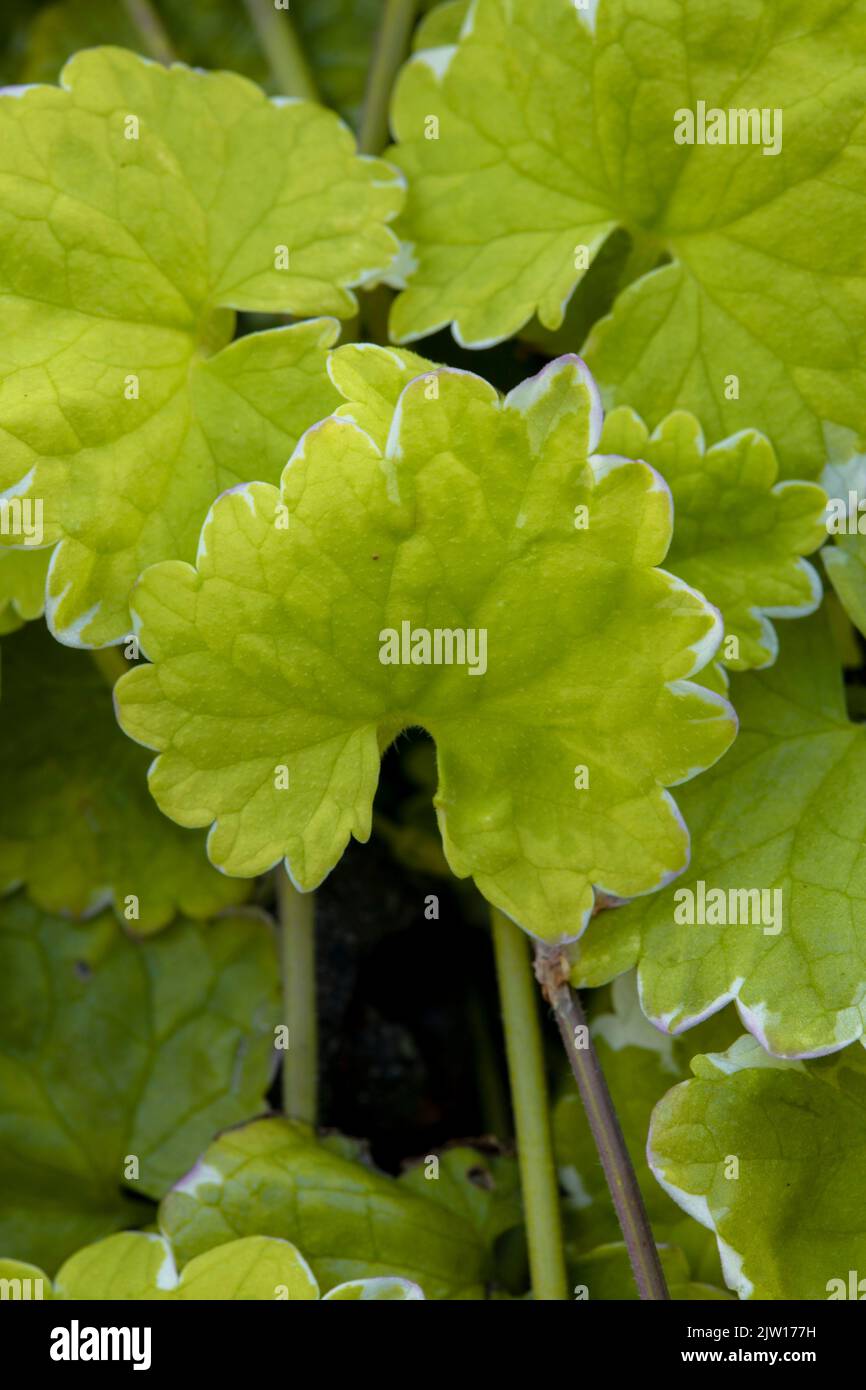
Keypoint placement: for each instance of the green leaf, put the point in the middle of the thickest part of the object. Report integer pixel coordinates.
(771, 1157)
(124, 250)
(268, 654)
(844, 479)
(19, 1280)
(553, 135)
(138, 1265)
(77, 825)
(441, 25)
(738, 534)
(112, 1050)
(605, 1273)
(22, 586)
(272, 1178)
(845, 562)
(378, 1289)
(785, 814)
(483, 1189)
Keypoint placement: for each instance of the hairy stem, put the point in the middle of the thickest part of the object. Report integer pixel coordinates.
(552, 970)
(525, 1052)
(111, 663)
(281, 46)
(298, 966)
(392, 45)
(151, 30)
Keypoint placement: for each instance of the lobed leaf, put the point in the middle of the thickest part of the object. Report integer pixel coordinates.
(141, 207)
(269, 701)
(273, 1178)
(745, 295)
(739, 535)
(784, 813)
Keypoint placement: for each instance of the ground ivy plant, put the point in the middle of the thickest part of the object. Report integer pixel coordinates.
(363, 681)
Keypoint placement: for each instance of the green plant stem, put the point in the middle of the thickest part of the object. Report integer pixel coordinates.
(552, 970)
(392, 45)
(111, 663)
(151, 29)
(525, 1052)
(298, 967)
(282, 48)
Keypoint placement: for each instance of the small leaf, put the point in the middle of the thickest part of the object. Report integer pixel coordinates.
(127, 407)
(739, 536)
(378, 1289)
(289, 647)
(77, 825)
(771, 1157)
(778, 831)
(117, 1056)
(272, 1178)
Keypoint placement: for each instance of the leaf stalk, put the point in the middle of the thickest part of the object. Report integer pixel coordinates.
(281, 46)
(110, 663)
(151, 30)
(525, 1051)
(552, 972)
(300, 1077)
(392, 45)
